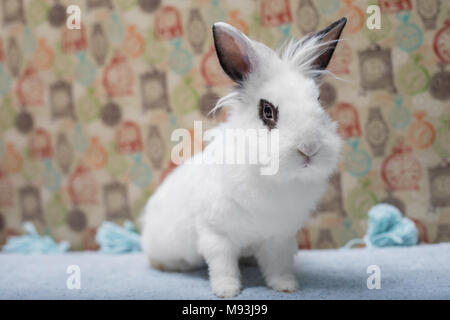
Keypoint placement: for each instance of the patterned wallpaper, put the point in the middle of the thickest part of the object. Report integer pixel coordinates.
(86, 115)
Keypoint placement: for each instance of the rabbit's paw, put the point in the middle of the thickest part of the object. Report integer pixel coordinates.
(283, 283)
(226, 287)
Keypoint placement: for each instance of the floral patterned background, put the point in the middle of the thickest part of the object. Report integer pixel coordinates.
(86, 115)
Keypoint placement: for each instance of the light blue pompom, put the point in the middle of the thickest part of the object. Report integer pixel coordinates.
(32, 242)
(113, 238)
(387, 227)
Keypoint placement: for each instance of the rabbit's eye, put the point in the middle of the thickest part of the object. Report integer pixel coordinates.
(268, 113)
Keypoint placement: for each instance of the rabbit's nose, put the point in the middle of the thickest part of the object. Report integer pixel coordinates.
(308, 149)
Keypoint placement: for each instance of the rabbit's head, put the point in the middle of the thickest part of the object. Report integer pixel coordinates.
(280, 89)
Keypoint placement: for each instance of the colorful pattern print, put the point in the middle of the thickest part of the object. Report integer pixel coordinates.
(86, 115)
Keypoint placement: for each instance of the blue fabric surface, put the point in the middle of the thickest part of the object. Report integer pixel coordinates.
(418, 272)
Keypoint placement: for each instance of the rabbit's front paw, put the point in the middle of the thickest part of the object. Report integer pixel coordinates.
(225, 287)
(283, 283)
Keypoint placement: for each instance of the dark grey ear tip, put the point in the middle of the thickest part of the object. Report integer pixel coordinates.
(338, 26)
(220, 24)
(330, 35)
(216, 28)
(215, 31)
(338, 23)
(341, 24)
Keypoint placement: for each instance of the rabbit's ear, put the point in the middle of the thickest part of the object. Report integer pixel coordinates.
(234, 50)
(329, 38)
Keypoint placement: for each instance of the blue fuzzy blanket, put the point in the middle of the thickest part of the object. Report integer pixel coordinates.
(420, 272)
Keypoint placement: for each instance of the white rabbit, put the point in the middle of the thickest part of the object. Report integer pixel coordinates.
(214, 214)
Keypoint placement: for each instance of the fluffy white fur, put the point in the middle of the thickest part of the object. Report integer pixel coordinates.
(215, 214)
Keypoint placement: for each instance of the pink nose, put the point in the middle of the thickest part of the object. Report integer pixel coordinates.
(308, 149)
